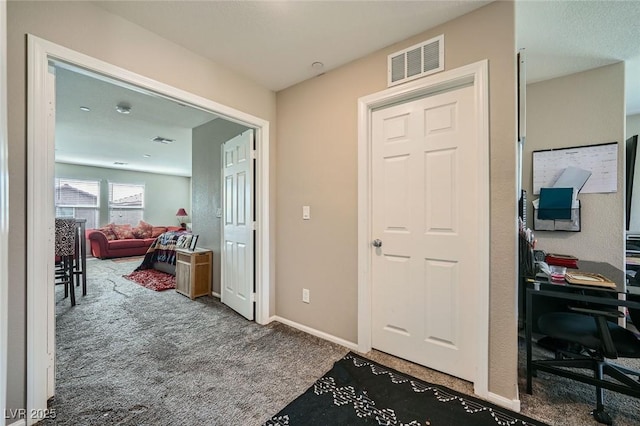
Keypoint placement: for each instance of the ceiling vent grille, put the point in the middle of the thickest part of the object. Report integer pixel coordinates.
(416, 61)
(160, 139)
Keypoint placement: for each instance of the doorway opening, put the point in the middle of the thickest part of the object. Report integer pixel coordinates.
(40, 214)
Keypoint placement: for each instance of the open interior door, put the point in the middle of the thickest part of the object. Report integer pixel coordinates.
(238, 166)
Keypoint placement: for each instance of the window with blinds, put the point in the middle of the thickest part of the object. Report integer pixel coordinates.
(79, 199)
(126, 203)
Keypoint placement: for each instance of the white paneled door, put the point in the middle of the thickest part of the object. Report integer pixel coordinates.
(238, 224)
(425, 259)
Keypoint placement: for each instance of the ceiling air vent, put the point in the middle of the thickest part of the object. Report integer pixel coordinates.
(160, 139)
(416, 61)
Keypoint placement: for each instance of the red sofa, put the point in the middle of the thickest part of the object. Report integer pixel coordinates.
(104, 248)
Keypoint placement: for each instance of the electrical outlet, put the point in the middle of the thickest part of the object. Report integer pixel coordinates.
(305, 295)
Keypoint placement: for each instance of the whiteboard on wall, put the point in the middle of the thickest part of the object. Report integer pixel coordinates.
(601, 160)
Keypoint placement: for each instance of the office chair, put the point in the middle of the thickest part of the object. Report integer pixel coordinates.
(590, 338)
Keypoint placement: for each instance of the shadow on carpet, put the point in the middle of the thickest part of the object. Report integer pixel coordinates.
(358, 391)
(152, 279)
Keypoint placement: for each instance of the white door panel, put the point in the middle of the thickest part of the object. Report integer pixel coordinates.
(238, 233)
(424, 188)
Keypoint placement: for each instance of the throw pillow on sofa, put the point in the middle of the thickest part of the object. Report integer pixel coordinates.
(123, 232)
(107, 230)
(143, 230)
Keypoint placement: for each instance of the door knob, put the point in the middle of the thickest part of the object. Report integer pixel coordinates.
(377, 243)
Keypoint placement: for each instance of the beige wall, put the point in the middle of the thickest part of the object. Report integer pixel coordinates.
(95, 32)
(581, 109)
(317, 166)
(206, 186)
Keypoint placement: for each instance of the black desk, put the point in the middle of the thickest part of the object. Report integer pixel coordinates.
(570, 293)
(614, 274)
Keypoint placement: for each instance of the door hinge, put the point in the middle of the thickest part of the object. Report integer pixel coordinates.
(253, 154)
(254, 226)
(252, 298)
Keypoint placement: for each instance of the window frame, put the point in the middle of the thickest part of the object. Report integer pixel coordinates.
(59, 181)
(110, 207)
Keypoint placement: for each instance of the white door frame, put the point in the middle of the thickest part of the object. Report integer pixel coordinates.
(475, 74)
(4, 212)
(40, 215)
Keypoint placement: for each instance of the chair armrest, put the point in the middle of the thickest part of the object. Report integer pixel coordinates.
(609, 314)
(608, 347)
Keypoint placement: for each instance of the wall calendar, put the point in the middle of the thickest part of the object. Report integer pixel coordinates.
(601, 160)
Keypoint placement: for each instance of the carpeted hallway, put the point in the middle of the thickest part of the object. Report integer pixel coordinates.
(127, 355)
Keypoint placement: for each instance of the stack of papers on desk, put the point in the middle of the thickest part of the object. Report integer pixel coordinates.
(588, 278)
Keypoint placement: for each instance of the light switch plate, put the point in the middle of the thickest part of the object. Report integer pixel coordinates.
(306, 212)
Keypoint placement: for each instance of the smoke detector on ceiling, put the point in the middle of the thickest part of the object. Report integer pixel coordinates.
(165, 141)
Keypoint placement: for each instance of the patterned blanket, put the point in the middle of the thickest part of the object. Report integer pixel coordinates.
(163, 249)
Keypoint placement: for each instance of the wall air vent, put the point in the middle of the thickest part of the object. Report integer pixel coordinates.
(416, 61)
(165, 141)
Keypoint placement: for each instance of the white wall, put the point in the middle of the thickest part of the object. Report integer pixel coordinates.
(633, 125)
(581, 109)
(164, 194)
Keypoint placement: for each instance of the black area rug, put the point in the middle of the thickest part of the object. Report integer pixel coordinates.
(358, 391)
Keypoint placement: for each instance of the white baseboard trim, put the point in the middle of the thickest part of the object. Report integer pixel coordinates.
(215, 294)
(317, 333)
(511, 404)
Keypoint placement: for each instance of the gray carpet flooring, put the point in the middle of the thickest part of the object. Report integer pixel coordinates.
(127, 355)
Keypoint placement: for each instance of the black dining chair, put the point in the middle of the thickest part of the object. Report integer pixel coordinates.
(65, 251)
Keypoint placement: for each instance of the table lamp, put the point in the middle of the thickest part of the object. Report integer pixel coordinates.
(181, 214)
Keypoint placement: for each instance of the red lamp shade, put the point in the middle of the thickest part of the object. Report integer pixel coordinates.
(181, 215)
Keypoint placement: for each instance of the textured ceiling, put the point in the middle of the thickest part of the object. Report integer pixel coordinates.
(103, 136)
(275, 42)
(564, 37)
